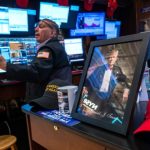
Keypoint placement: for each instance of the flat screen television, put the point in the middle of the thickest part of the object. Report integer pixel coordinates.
(89, 24)
(110, 83)
(112, 28)
(74, 49)
(18, 50)
(11, 25)
(72, 17)
(18, 19)
(4, 21)
(55, 12)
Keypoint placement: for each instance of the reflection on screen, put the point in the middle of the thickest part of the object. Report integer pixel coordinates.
(55, 12)
(18, 50)
(108, 81)
(74, 48)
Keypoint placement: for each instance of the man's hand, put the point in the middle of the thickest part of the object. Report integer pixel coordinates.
(2, 63)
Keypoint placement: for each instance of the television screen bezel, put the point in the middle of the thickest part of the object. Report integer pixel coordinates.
(122, 129)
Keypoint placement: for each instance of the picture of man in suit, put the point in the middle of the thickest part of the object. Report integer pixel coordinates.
(101, 82)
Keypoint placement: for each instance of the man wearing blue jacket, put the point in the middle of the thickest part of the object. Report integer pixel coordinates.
(50, 63)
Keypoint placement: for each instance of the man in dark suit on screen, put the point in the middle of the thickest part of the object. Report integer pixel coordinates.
(102, 82)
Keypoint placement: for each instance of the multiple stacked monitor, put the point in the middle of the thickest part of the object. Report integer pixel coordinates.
(67, 17)
(18, 50)
(23, 50)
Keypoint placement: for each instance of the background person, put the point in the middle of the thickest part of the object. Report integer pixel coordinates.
(50, 63)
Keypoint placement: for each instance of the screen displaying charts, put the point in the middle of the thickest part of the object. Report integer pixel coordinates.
(89, 24)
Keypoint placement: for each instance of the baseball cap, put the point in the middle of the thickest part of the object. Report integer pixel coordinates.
(145, 126)
(49, 99)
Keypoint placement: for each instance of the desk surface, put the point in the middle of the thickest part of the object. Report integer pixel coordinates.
(104, 137)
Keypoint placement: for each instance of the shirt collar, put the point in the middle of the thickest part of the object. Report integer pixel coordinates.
(41, 44)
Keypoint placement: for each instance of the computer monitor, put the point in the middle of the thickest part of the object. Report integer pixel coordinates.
(75, 52)
(18, 19)
(112, 28)
(4, 21)
(18, 50)
(72, 17)
(89, 24)
(74, 49)
(53, 11)
(17, 22)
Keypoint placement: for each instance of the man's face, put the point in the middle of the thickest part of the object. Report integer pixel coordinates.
(43, 32)
(112, 58)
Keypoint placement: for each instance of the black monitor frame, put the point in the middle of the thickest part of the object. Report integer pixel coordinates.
(132, 48)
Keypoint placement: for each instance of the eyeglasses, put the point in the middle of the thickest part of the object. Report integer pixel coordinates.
(42, 24)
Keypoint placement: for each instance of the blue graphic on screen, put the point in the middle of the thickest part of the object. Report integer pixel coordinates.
(74, 8)
(55, 12)
(116, 120)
